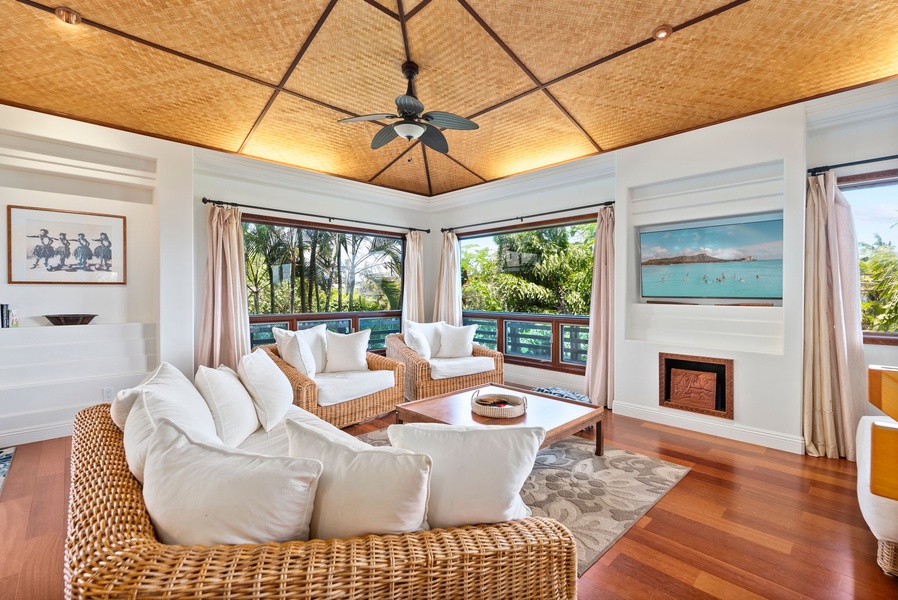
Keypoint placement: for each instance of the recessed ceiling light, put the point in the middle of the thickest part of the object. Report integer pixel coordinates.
(68, 15)
(662, 32)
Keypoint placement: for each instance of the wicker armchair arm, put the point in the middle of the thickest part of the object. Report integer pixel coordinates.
(305, 391)
(112, 551)
(376, 362)
(414, 362)
(494, 354)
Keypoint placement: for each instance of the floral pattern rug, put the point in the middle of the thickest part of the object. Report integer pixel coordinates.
(5, 461)
(598, 498)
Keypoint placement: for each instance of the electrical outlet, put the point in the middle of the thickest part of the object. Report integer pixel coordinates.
(107, 394)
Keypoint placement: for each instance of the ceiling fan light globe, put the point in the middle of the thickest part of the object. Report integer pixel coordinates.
(409, 130)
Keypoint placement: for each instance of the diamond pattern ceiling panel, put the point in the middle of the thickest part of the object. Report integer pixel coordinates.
(686, 82)
(576, 33)
(297, 132)
(495, 150)
(207, 73)
(407, 173)
(108, 79)
(354, 61)
(259, 39)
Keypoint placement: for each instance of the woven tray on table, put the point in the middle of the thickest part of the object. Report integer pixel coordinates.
(498, 406)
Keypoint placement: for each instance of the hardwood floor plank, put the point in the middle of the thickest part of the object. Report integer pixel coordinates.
(41, 574)
(8, 587)
(48, 507)
(722, 589)
(13, 525)
(22, 473)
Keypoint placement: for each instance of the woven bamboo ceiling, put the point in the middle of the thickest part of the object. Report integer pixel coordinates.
(547, 81)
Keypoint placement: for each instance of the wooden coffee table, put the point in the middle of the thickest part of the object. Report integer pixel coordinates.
(559, 417)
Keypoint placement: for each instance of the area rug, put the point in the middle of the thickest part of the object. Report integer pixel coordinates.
(5, 461)
(598, 498)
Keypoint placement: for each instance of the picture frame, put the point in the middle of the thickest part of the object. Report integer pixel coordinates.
(53, 246)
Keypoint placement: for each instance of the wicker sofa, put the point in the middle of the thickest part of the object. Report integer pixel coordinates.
(305, 392)
(419, 384)
(112, 552)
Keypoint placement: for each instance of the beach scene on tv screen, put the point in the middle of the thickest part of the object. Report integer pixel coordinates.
(735, 261)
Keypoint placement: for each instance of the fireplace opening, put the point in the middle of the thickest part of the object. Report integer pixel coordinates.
(696, 383)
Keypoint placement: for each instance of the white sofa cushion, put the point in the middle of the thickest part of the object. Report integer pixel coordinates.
(274, 442)
(231, 406)
(201, 494)
(168, 395)
(346, 352)
(444, 368)
(363, 490)
(317, 341)
(334, 388)
(880, 513)
(295, 351)
(431, 333)
(124, 401)
(270, 389)
(456, 342)
(417, 343)
(478, 472)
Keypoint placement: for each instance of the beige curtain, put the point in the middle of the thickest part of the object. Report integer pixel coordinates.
(413, 278)
(448, 301)
(600, 353)
(224, 330)
(835, 387)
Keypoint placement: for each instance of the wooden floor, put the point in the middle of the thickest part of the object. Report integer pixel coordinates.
(746, 522)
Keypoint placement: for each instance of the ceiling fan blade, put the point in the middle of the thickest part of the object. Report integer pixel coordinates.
(448, 120)
(409, 104)
(434, 138)
(386, 134)
(376, 117)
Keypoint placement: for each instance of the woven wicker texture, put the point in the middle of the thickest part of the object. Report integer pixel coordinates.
(418, 383)
(407, 173)
(687, 81)
(579, 31)
(85, 72)
(235, 34)
(887, 557)
(524, 135)
(447, 175)
(463, 70)
(300, 133)
(354, 61)
(305, 392)
(111, 550)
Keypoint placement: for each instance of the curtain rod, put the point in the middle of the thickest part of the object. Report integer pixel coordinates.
(542, 214)
(819, 170)
(302, 214)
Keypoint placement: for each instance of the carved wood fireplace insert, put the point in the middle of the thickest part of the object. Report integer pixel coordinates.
(697, 384)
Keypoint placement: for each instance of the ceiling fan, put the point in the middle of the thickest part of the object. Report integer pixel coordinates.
(414, 124)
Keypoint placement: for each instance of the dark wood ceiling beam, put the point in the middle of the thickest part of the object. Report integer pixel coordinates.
(280, 87)
(402, 20)
(382, 8)
(539, 85)
(463, 166)
(417, 9)
(393, 162)
(427, 170)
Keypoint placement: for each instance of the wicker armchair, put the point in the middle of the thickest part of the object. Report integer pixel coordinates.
(111, 550)
(418, 383)
(305, 392)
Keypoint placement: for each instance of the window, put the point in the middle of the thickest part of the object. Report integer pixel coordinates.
(299, 275)
(874, 204)
(529, 291)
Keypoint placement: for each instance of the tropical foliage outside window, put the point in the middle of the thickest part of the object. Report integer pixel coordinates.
(876, 224)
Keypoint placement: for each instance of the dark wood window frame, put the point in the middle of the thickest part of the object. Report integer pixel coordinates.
(867, 180)
(555, 364)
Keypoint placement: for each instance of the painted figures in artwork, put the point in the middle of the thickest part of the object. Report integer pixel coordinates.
(83, 253)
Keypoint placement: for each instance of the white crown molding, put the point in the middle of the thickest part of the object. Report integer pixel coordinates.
(591, 168)
(251, 170)
(863, 104)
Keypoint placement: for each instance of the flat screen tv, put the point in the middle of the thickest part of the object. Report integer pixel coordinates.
(738, 258)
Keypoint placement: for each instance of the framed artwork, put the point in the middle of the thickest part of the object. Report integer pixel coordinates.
(46, 245)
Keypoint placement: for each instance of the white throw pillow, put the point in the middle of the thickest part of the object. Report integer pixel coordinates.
(346, 352)
(362, 489)
(416, 341)
(201, 494)
(124, 400)
(295, 351)
(315, 338)
(269, 387)
(231, 405)
(478, 472)
(430, 331)
(456, 342)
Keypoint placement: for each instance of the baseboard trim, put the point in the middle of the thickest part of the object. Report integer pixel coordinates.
(37, 433)
(732, 431)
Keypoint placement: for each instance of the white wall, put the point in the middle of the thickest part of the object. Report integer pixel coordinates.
(49, 373)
